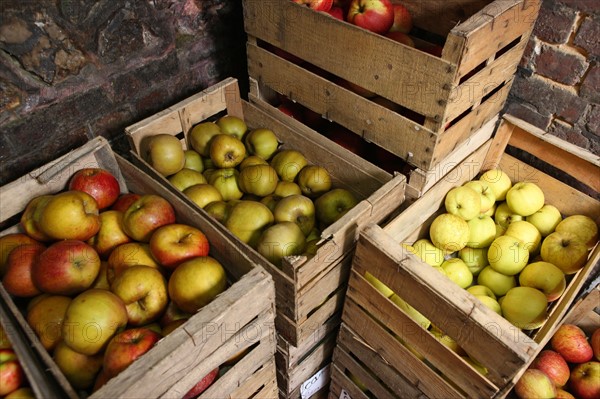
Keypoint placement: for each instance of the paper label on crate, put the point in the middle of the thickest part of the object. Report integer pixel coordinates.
(344, 394)
(315, 383)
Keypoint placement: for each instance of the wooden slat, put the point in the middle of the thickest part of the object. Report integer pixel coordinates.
(584, 313)
(262, 384)
(498, 145)
(339, 382)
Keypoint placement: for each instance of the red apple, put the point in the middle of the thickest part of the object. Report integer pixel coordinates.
(585, 380)
(347, 139)
(202, 385)
(535, 384)
(595, 343)
(401, 37)
(97, 182)
(145, 215)
(336, 12)
(317, 5)
(570, 341)
(174, 243)
(125, 347)
(101, 379)
(66, 267)
(10, 242)
(562, 394)
(374, 15)
(553, 365)
(18, 279)
(124, 201)
(402, 19)
(173, 313)
(11, 372)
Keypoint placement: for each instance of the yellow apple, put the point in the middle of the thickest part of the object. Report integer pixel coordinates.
(545, 219)
(504, 215)
(487, 196)
(526, 232)
(203, 194)
(481, 290)
(288, 163)
(448, 341)
(474, 258)
(482, 231)
(525, 307)
(200, 137)
(164, 153)
(498, 181)
(186, 178)
(70, 215)
(508, 255)
(564, 250)
(497, 282)
(457, 271)
(314, 180)
(545, 277)
(410, 311)
(379, 286)
(430, 254)
(490, 302)
(463, 201)
(525, 198)
(193, 160)
(449, 232)
(232, 125)
(582, 226)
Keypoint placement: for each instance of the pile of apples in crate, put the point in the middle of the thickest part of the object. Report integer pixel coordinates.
(270, 198)
(13, 382)
(103, 276)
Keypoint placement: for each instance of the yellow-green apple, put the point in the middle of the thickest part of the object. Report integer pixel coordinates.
(200, 137)
(571, 342)
(595, 343)
(280, 240)
(261, 142)
(430, 254)
(298, 209)
(124, 200)
(401, 37)
(186, 178)
(206, 381)
(91, 320)
(545, 277)
(487, 196)
(314, 180)
(447, 341)
(10, 242)
(564, 250)
(270, 201)
(490, 303)
(536, 384)
(492, 211)
(46, 316)
(500, 230)
(232, 125)
(172, 326)
(585, 380)
(449, 232)
(203, 194)
(30, 220)
(317, 5)
(288, 163)
(463, 201)
(334, 204)
(374, 15)
(227, 151)
(482, 231)
(111, 233)
(499, 283)
(193, 160)
(498, 181)
(174, 243)
(481, 369)
(481, 290)
(4, 341)
(545, 219)
(525, 198)
(70, 215)
(526, 232)
(21, 393)
(457, 271)
(145, 215)
(219, 210)
(474, 258)
(143, 290)
(418, 317)
(582, 226)
(164, 153)
(172, 313)
(226, 180)
(18, 279)
(252, 160)
(379, 286)
(97, 182)
(248, 219)
(129, 254)
(286, 188)
(525, 307)
(508, 255)
(260, 180)
(504, 215)
(127, 346)
(196, 282)
(66, 267)
(402, 19)
(12, 375)
(79, 369)
(553, 365)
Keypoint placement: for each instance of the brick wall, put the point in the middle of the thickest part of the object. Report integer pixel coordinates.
(558, 82)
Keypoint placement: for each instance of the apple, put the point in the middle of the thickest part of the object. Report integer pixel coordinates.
(487, 196)
(18, 279)
(564, 250)
(97, 182)
(525, 198)
(499, 283)
(481, 290)
(298, 209)
(336, 12)
(12, 375)
(402, 19)
(124, 201)
(463, 201)
(252, 160)
(204, 382)
(535, 384)
(582, 226)
(411, 311)
(508, 255)
(288, 163)
(595, 343)
(334, 204)
(490, 303)
(447, 341)
(481, 369)
(79, 369)
(21, 393)
(503, 215)
(545, 277)
(571, 342)
(91, 320)
(196, 282)
(193, 160)
(457, 271)
(164, 153)
(553, 365)
(280, 240)
(226, 180)
(585, 380)
(127, 346)
(545, 219)
(172, 313)
(66, 267)
(10, 242)
(449, 232)
(562, 394)
(379, 286)
(314, 180)
(46, 316)
(232, 125)
(203, 194)
(286, 188)
(482, 231)
(174, 243)
(70, 215)
(260, 180)
(400, 37)
(226, 151)
(474, 258)
(219, 210)
(30, 220)
(201, 135)
(129, 254)
(111, 233)
(525, 307)
(186, 178)
(526, 232)
(430, 254)
(4, 341)
(145, 215)
(374, 15)
(498, 181)
(248, 219)
(317, 5)
(261, 142)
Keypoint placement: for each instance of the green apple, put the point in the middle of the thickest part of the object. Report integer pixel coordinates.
(298, 209)
(314, 180)
(500, 230)
(430, 254)
(525, 307)
(219, 210)
(482, 231)
(260, 180)
(525, 198)
(564, 250)
(545, 277)
(227, 182)
(545, 219)
(226, 151)
(270, 201)
(490, 302)
(232, 125)
(261, 142)
(497, 282)
(474, 258)
(526, 232)
(252, 160)
(186, 178)
(200, 137)
(203, 194)
(504, 215)
(164, 153)
(508, 255)
(193, 160)
(463, 201)
(457, 271)
(334, 204)
(449, 232)
(448, 341)
(582, 226)
(487, 196)
(379, 286)
(410, 311)
(490, 212)
(288, 163)
(498, 181)
(481, 290)
(481, 369)
(248, 219)
(280, 240)
(286, 188)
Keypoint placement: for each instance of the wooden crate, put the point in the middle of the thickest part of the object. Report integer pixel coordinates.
(368, 346)
(302, 284)
(447, 98)
(240, 317)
